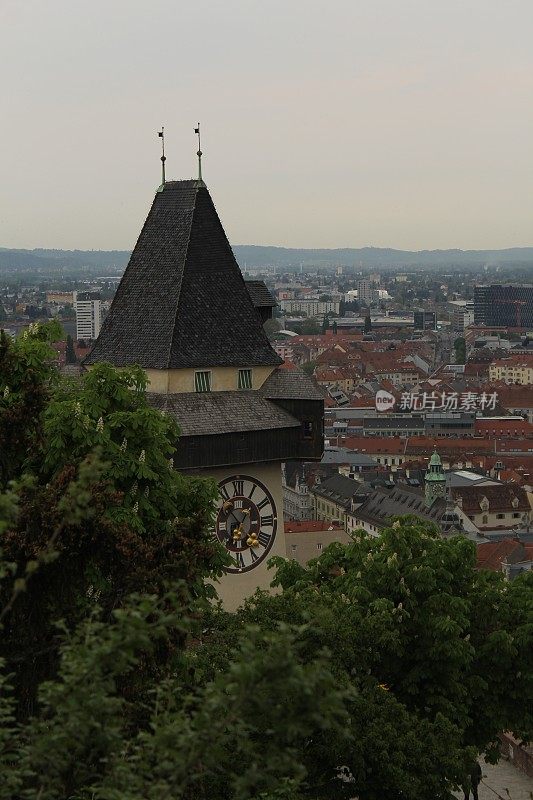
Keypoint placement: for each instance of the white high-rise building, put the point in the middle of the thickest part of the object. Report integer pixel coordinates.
(88, 307)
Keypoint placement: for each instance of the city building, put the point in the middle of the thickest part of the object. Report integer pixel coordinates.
(60, 298)
(382, 505)
(88, 307)
(366, 292)
(510, 306)
(462, 315)
(306, 539)
(434, 480)
(311, 308)
(491, 507)
(334, 498)
(515, 369)
(425, 320)
(184, 314)
(297, 502)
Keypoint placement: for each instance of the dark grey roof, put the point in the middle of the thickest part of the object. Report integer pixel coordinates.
(182, 301)
(261, 297)
(341, 455)
(339, 489)
(204, 414)
(285, 384)
(403, 423)
(382, 504)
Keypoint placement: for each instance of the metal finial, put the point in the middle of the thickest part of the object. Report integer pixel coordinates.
(161, 135)
(199, 153)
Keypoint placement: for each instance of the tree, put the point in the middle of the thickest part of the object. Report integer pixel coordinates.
(368, 324)
(143, 523)
(392, 658)
(325, 324)
(272, 327)
(70, 354)
(460, 350)
(310, 327)
(437, 653)
(309, 367)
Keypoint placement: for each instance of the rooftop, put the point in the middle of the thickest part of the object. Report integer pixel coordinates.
(182, 265)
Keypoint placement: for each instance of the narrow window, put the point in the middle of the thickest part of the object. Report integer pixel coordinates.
(307, 429)
(245, 379)
(319, 546)
(202, 381)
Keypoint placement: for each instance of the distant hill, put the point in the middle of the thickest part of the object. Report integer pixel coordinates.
(58, 260)
(259, 256)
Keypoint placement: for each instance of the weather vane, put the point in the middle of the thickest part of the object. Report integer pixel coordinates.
(199, 153)
(161, 135)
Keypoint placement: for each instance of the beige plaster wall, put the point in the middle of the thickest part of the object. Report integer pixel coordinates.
(233, 588)
(305, 545)
(223, 379)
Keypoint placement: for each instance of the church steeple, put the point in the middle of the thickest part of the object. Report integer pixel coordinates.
(434, 480)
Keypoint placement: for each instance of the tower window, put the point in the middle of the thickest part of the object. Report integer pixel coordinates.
(308, 429)
(245, 379)
(202, 381)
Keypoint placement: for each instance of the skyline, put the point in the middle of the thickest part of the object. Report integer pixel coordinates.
(351, 125)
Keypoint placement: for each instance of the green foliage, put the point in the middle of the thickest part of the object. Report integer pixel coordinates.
(27, 373)
(378, 671)
(309, 367)
(368, 324)
(272, 328)
(310, 327)
(70, 353)
(459, 346)
(96, 509)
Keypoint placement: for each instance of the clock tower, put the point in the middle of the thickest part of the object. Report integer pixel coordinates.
(184, 313)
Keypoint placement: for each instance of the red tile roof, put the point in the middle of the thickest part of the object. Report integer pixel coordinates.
(490, 555)
(500, 498)
(503, 427)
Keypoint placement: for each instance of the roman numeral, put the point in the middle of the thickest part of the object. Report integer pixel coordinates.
(263, 503)
(238, 488)
(253, 555)
(267, 519)
(254, 487)
(237, 504)
(239, 560)
(224, 492)
(222, 526)
(264, 538)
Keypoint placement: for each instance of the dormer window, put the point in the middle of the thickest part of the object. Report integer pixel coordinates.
(202, 381)
(245, 379)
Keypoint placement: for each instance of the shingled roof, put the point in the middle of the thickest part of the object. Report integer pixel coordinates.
(182, 301)
(260, 294)
(285, 384)
(205, 414)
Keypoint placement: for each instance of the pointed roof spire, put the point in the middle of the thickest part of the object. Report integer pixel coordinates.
(161, 135)
(182, 301)
(199, 154)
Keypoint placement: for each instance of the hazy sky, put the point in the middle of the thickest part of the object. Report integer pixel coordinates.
(399, 123)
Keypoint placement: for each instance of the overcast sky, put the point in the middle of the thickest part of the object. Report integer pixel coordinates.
(398, 123)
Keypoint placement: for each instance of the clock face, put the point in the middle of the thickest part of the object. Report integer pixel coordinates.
(246, 521)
